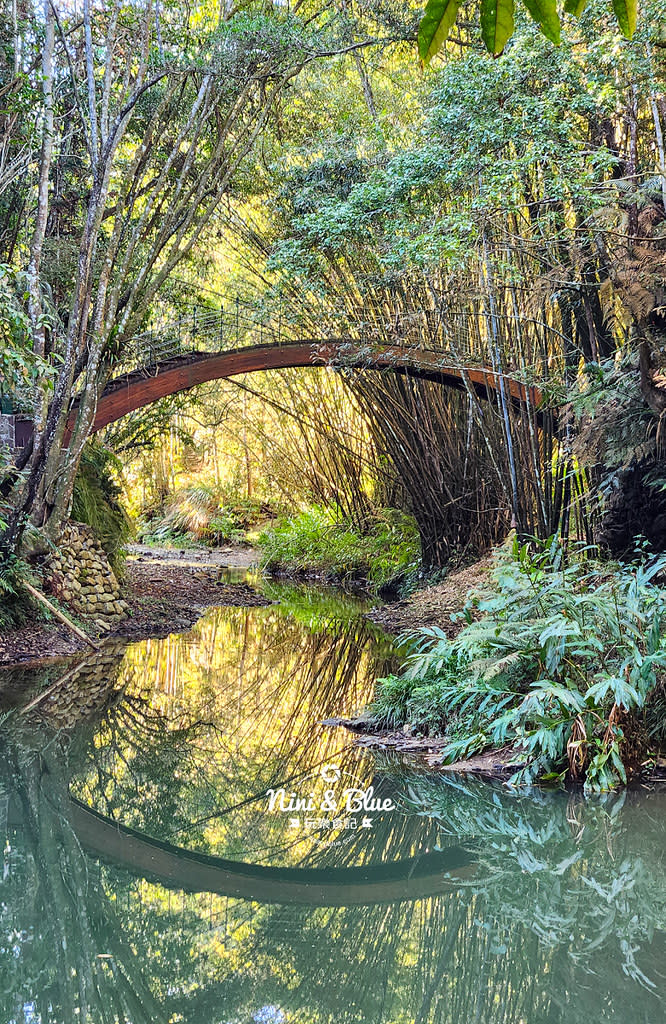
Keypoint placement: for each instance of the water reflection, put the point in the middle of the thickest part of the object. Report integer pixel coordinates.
(561, 916)
(211, 720)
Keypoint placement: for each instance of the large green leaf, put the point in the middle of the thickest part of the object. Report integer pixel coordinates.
(496, 23)
(435, 26)
(626, 12)
(544, 12)
(575, 7)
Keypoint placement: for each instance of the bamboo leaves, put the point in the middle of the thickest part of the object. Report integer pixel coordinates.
(497, 22)
(626, 12)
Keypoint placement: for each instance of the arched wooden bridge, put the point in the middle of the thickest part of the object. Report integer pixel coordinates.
(413, 878)
(144, 386)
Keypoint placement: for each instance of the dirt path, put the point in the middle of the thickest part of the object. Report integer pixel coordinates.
(234, 556)
(167, 591)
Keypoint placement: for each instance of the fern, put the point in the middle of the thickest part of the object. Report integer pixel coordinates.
(97, 503)
(561, 665)
(15, 603)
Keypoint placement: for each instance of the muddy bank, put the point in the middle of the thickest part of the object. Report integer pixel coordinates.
(433, 606)
(167, 591)
(168, 596)
(428, 751)
(354, 583)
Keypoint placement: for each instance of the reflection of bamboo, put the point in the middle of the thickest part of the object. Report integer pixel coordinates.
(239, 737)
(71, 913)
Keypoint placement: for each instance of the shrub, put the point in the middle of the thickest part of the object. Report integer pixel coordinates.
(317, 540)
(561, 665)
(204, 513)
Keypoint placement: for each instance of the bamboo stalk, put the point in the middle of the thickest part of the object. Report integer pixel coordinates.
(60, 615)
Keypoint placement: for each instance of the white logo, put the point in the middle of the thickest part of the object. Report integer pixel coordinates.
(326, 804)
(330, 773)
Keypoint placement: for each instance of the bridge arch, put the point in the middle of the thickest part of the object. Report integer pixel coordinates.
(132, 391)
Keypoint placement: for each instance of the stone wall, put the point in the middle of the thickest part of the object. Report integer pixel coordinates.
(80, 577)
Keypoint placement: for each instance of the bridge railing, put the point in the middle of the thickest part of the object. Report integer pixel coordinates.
(202, 330)
(460, 337)
(240, 325)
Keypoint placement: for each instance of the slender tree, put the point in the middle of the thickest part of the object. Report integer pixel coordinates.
(146, 115)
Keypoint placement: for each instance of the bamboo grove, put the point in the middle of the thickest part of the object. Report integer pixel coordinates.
(535, 253)
(506, 212)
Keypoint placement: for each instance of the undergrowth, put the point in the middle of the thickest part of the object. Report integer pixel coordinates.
(566, 664)
(317, 540)
(97, 502)
(16, 606)
(203, 513)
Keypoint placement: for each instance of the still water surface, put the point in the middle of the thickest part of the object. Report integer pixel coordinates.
(357, 890)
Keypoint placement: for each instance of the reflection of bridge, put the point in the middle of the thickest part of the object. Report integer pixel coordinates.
(141, 387)
(177, 868)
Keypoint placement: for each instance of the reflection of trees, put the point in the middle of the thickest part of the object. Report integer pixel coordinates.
(213, 718)
(563, 921)
(67, 952)
(420, 962)
(566, 894)
(564, 924)
(584, 878)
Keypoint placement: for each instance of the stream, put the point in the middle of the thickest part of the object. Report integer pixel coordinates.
(185, 841)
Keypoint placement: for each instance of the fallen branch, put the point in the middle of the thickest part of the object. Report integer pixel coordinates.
(60, 615)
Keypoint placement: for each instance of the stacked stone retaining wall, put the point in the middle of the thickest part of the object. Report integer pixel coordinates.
(79, 575)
